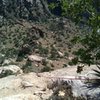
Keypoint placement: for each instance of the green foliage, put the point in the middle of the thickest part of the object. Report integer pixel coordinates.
(11, 39)
(54, 55)
(14, 38)
(44, 62)
(74, 61)
(96, 81)
(1, 59)
(75, 39)
(64, 65)
(91, 48)
(86, 12)
(52, 6)
(89, 53)
(64, 6)
(27, 67)
(43, 50)
(46, 69)
(66, 54)
(97, 72)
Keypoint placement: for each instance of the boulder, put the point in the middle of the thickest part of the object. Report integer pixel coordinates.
(30, 9)
(35, 58)
(60, 54)
(10, 70)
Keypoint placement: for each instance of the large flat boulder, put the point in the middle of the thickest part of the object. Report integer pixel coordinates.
(35, 58)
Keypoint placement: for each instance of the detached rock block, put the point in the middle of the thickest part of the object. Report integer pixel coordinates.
(10, 70)
(35, 58)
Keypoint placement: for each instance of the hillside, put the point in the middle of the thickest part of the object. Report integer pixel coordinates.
(22, 36)
(38, 41)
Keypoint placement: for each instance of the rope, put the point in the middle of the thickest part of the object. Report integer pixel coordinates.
(69, 77)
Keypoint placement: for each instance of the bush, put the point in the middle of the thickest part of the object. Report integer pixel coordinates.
(46, 69)
(44, 62)
(2, 58)
(97, 73)
(54, 54)
(64, 65)
(43, 50)
(27, 67)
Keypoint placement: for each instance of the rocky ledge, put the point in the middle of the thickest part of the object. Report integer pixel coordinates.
(47, 85)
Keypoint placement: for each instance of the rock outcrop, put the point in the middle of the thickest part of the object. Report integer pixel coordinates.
(42, 86)
(28, 9)
(35, 58)
(10, 70)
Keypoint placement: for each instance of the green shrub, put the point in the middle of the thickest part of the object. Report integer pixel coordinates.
(27, 67)
(52, 6)
(44, 62)
(64, 65)
(66, 54)
(54, 54)
(46, 69)
(97, 73)
(43, 50)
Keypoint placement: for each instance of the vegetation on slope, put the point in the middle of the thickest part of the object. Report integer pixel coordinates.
(83, 12)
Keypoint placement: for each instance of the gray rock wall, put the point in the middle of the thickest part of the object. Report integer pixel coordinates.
(28, 9)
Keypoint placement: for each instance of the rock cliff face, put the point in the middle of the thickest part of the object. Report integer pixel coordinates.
(28, 9)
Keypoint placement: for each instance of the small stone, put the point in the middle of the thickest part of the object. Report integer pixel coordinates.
(61, 93)
(26, 84)
(35, 58)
